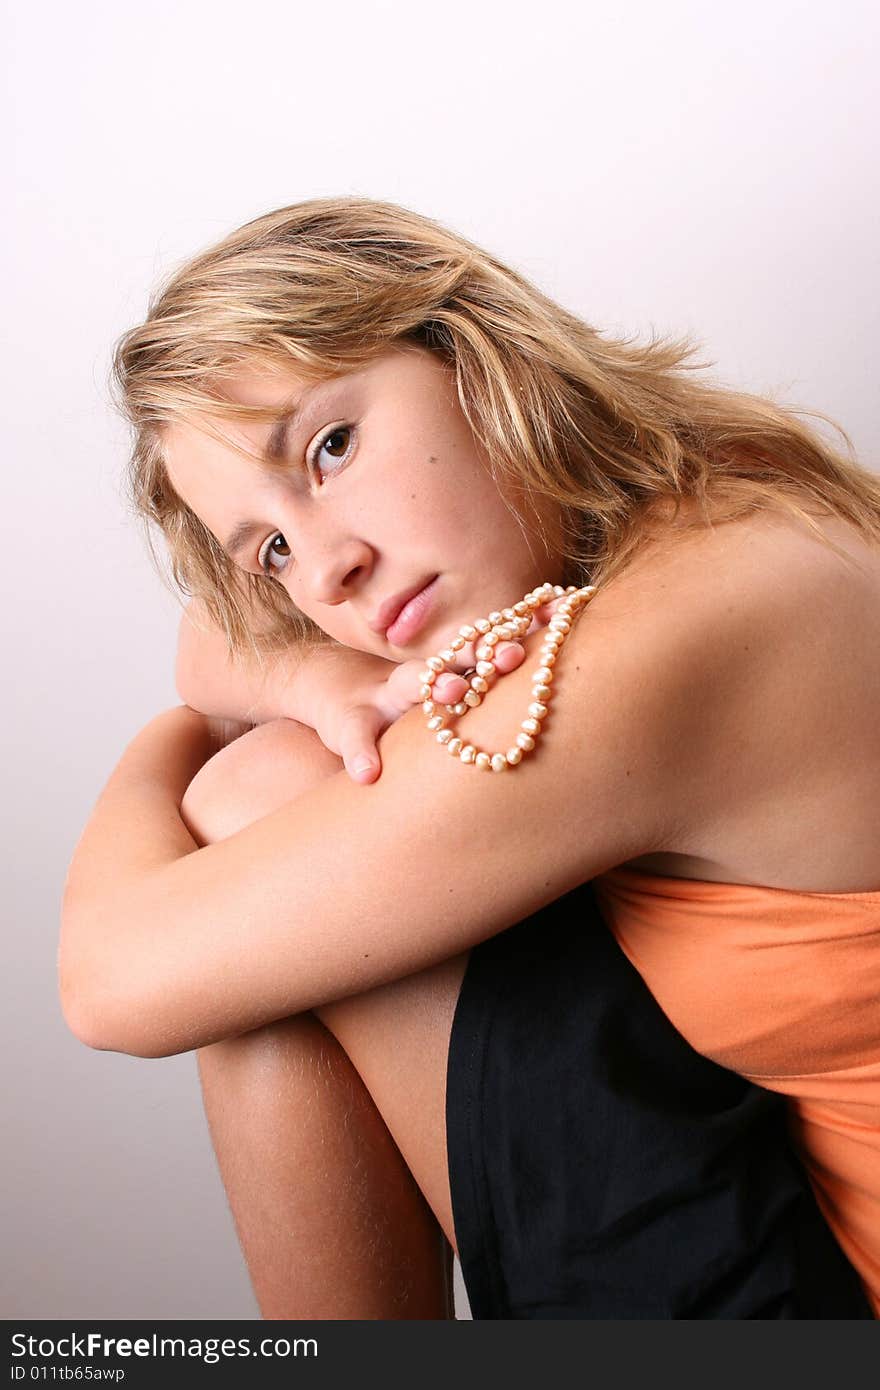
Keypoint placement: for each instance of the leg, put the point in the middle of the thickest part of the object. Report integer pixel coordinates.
(336, 1225)
(329, 1218)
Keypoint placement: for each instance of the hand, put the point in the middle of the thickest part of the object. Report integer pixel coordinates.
(350, 698)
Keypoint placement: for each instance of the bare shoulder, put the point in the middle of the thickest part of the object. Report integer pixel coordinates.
(674, 693)
(779, 737)
(657, 666)
(768, 558)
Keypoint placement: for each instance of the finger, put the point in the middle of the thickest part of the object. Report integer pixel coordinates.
(358, 737)
(509, 655)
(542, 615)
(506, 656)
(449, 687)
(405, 686)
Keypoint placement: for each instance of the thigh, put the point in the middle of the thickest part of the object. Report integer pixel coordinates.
(397, 1035)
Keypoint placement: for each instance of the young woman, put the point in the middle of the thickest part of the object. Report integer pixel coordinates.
(563, 1006)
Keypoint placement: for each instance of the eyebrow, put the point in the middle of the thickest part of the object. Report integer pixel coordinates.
(277, 441)
(241, 535)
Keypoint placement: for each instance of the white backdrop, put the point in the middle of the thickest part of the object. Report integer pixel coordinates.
(678, 167)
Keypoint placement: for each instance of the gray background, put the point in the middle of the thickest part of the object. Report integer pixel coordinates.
(684, 167)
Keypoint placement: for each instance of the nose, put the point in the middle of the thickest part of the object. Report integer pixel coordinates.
(331, 574)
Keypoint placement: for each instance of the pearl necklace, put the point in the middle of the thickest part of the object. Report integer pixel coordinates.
(509, 625)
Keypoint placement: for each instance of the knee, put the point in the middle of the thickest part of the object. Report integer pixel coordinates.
(286, 744)
(253, 776)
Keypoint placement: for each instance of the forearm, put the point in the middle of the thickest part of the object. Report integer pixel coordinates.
(245, 689)
(137, 828)
(291, 684)
(134, 828)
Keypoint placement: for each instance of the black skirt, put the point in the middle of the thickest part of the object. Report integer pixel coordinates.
(600, 1167)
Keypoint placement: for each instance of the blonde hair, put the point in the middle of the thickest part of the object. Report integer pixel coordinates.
(613, 430)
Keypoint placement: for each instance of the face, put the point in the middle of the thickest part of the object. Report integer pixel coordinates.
(383, 494)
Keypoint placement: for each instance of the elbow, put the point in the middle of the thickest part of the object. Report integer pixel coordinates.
(101, 1028)
(104, 1030)
(96, 1013)
(78, 1021)
(70, 993)
(89, 1028)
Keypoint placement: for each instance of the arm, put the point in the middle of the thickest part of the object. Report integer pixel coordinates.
(348, 697)
(209, 681)
(166, 947)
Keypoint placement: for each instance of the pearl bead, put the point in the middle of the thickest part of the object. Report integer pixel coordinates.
(509, 623)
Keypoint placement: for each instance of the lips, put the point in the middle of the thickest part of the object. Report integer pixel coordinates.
(391, 609)
(413, 616)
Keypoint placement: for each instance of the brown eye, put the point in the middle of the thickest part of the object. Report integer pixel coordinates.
(268, 550)
(333, 441)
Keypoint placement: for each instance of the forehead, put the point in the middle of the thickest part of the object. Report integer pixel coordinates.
(222, 451)
(221, 482)
(222, 466)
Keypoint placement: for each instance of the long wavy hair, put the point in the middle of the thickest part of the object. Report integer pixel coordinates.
(612, 429)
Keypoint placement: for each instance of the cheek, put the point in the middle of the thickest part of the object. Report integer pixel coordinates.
(334, 622)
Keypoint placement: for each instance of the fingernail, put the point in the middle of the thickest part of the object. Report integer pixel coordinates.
(362, 765)
(448, 684)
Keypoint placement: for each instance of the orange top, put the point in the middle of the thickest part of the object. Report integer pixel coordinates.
(784, 988)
